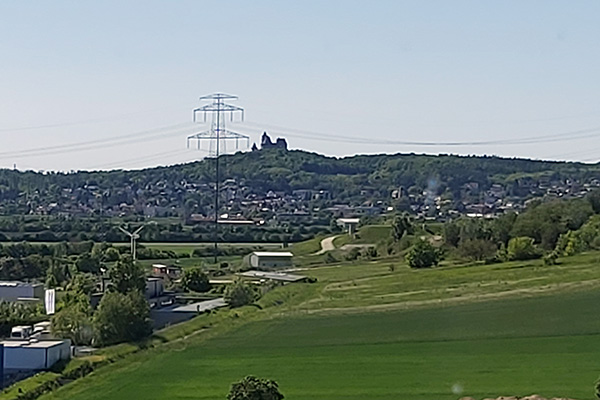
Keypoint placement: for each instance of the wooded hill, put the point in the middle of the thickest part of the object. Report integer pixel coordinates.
(284, 171)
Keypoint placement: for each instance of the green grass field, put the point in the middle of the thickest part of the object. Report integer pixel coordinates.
(370, 234)
(546, 345)
(368, 331)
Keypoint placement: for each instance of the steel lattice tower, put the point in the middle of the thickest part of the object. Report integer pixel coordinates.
(219, 135)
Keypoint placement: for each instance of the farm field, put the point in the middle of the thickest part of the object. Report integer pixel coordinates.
(366, 330)
(546, 345)
(391, 285)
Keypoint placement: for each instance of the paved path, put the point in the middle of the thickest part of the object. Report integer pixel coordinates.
(326, 245)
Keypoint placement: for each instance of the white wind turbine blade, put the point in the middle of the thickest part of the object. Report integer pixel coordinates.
(125, 232)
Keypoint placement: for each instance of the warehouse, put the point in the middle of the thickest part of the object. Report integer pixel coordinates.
(270, 259)
(19, 291)
(33, 355)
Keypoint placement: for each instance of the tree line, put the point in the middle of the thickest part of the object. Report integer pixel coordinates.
(547, 230)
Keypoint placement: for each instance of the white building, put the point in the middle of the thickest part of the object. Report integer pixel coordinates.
(270, 259)
(348, 224)
(15, 291)
(33, 354)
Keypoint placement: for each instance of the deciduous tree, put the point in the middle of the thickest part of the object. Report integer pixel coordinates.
(423, 255)
(121, 318)
(196, 280)
(253, 388)
(126, 276)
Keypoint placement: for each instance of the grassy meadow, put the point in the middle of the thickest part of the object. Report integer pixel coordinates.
(375, 330)
(547, 345)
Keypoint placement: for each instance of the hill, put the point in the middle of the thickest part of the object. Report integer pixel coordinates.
(275, 189)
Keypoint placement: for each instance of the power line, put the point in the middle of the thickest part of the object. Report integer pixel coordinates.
(321, 136)
(148, 135)
(150, 157)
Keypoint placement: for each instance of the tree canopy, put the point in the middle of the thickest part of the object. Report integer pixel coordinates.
(253, 388)
(121, 318)
(126, 276)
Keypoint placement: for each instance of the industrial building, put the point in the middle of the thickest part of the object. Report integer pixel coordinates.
(166, 271)
(156, 294)
(270, 259)
(33, 354)
(21, 291)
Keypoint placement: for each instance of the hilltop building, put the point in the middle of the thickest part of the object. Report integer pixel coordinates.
(267, 143)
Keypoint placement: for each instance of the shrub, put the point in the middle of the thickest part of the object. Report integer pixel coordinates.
(521, 248)
(329, 258)
(476, 249)
(239, 293)
(196, 280)
(423, 255)
(253, 388)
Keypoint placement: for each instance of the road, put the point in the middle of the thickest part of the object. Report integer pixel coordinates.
(326, 245)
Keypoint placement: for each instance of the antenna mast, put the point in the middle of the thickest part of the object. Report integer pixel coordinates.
(218, 134)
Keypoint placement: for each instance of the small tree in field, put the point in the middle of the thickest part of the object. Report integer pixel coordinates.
(196, 280)
(253, 388)
(400, 225)
(521, 248)
(423, 255)
(239, 293)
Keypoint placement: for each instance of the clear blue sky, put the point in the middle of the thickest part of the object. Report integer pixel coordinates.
(427, 71)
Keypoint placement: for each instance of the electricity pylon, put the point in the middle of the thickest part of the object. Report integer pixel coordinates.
(218, 135)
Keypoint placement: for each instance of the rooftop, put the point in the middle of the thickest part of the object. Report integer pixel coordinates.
(16, 284)
(276, 276)
(273, 254)
(349, 220)
(32, 344)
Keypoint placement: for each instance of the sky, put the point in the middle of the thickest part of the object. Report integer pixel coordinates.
(112, 84)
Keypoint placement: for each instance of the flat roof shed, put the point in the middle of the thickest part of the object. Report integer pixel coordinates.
(271, 259)
(33, 355)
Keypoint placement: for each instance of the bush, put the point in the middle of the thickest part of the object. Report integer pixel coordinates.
(253, 388)
(196, 280)
(329, 258)
(423, 255)
(477, 249)
(521, 248)
(353, 254)
(550, 258)
(239, 293)
(369, 253)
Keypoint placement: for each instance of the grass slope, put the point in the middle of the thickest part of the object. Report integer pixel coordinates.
(547, 345)
(433, 330)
